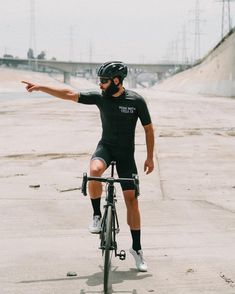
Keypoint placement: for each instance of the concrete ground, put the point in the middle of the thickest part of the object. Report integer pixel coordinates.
(187, 203)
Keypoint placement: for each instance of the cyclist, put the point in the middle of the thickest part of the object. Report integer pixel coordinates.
(119, 111)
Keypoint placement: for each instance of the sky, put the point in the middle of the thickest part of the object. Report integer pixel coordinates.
(129, 30)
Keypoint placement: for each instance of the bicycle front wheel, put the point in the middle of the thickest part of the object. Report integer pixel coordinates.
(107, 251)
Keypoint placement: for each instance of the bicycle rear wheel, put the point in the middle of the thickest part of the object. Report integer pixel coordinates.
(107, 251)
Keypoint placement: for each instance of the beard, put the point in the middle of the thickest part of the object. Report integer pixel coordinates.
(110, 91)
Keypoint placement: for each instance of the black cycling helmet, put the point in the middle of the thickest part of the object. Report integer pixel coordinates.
(113, 69)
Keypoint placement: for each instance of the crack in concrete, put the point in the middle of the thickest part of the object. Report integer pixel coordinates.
(43, 155)
(216, 206)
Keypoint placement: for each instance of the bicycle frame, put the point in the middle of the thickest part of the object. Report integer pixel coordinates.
(110, 201)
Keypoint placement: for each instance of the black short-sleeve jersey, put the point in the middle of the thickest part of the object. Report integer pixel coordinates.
(119, 116)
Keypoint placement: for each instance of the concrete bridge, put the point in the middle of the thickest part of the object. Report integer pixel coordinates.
(69, 68)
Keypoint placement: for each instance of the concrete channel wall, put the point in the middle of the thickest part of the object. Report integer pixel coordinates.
(215, 75)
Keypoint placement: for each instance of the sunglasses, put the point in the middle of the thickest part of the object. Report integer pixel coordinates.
(104, 80)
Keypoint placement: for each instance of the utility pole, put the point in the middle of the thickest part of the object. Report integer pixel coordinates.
(90, 51)
(71, 42)
(176, 50)
(32, 33)
(90, 57)
(184, 45)
(226, 24)
(173, 52)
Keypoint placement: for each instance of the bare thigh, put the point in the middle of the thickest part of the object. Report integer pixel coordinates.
(97, 168)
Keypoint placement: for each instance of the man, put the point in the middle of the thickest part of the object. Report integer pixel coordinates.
(119, 111)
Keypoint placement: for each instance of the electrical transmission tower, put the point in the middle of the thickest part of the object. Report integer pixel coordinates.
(32, 33)
(197, 32)
(184, 45)
(226, 24)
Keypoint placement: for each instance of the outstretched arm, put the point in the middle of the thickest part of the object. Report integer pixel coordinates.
(66, 94)
(149, 137)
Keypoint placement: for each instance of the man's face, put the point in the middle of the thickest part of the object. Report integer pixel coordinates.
(104, 83)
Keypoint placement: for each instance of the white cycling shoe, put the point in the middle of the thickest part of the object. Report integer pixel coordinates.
(95, 226)
(139, 260)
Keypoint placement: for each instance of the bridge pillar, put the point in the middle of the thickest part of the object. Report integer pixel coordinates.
(93, 73)
(132, 79)
(160, 75)
(67, 76)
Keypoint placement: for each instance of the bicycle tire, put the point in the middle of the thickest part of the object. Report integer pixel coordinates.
(107, 253)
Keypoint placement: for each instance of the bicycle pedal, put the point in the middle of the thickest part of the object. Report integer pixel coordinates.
(122, 255)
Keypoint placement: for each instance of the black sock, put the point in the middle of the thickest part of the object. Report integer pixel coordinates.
(136, 240)
(96, 206)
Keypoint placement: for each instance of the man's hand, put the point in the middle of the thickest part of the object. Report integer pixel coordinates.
(148, 166)
(30, 87)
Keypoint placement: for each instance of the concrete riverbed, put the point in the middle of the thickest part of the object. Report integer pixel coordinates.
(187, 203)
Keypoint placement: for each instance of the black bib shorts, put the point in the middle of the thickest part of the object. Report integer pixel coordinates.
(125, 162)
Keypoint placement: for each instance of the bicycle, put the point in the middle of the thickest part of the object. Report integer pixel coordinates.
(109, 222)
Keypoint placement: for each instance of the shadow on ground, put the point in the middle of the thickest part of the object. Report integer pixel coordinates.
(96, 279)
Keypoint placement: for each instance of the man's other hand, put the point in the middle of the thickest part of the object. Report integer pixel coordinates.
(148, 166)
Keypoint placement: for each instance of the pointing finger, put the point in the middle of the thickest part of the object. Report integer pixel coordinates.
(24, 82)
